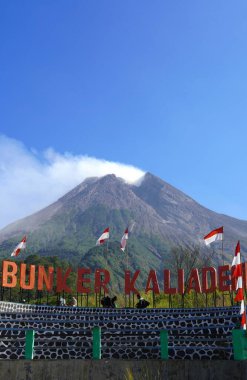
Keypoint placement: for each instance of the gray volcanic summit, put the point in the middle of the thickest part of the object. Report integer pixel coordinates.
(158, 215)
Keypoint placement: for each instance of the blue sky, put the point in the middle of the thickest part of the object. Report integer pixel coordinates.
(160, 86)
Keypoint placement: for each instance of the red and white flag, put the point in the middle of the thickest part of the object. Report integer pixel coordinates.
(103, 237)
(243, 315)
(237, 273)
(236, 262)
(214, 235)
(124, 240)
(19, 247)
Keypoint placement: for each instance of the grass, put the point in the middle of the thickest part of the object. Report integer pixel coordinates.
(146, 373)
(160, 301)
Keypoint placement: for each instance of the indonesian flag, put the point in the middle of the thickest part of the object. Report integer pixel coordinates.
(239, 296)
(236, 259)
(214, 235)
(103, 237)
(243, 320)
(19, 247)
(243, 315)
(236, 262)
(237, 273)
(124, 239)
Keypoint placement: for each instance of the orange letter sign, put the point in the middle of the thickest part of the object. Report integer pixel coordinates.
(9, 277)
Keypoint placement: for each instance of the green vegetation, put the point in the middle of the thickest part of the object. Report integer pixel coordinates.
(113, 259)
(71, 237)
(145, 372)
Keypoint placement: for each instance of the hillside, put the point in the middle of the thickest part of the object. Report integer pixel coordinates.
(158, 215)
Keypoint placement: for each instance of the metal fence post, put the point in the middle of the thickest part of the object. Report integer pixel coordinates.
(96, 342)
(239, 338)
(164, 344)
(29, 345)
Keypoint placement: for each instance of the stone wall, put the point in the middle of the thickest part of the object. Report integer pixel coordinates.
(66, 332)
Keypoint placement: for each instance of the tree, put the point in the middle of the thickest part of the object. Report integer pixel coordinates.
(187, 258)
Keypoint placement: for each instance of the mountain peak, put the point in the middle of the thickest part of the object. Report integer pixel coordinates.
(108, 178)
(154, 207)
(151, 179)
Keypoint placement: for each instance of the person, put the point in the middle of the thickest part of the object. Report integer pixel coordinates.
(62, 301)
(113, 300)
(74, 302)
(106, 302)
(142, 303)
(109, 302)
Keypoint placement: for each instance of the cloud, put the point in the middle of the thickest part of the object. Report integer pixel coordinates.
(30, 180)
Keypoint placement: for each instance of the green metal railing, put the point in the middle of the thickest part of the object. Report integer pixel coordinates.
(96, 332)
(96, 342)
(29, 345)
(164, 344)
(239, 340)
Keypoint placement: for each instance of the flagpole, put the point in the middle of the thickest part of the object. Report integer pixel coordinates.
(127, 257)
(222, 250)
(223, 263)
(126, 268)
(124, 248)
(106, 253)
(214, 235)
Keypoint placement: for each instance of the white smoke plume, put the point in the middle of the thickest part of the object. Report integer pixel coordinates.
(30, 180)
